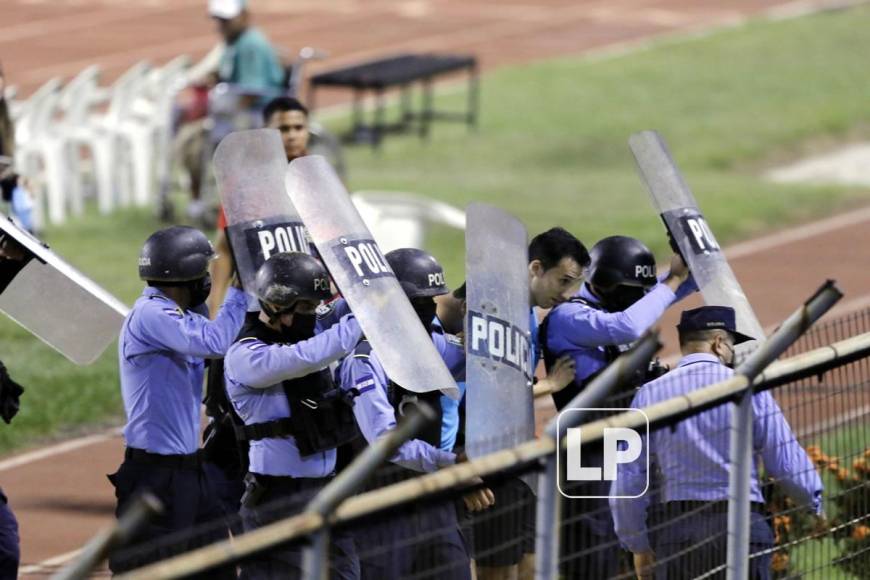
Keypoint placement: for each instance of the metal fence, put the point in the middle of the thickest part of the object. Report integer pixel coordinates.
(423, 527)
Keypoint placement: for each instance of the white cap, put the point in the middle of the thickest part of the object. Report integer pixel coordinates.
(226, 9)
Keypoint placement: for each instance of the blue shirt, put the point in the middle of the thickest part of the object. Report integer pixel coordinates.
(254, 371)
(161, 356)
(251, 63)
(693, 457)
(375, 415)
(578, 330)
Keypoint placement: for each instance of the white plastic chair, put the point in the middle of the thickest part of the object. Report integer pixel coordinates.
(148, 128)
(40, 154)
(76, 100)
(400, 220)
(105, 135)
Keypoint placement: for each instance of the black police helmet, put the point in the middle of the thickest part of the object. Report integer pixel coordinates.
(622, 261)
(288, 277)
(175, 254)
(418, 272)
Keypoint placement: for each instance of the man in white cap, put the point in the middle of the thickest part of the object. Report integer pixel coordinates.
(249, 60)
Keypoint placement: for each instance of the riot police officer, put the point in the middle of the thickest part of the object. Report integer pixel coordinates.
(385, 551)
(161, 354)
(620, 300)
(294, 415)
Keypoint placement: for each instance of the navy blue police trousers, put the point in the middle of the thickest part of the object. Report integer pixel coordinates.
(192, 517)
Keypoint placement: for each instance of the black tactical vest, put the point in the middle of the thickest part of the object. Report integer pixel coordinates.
(321, 414)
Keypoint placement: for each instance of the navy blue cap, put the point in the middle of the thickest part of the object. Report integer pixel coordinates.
(712, 318)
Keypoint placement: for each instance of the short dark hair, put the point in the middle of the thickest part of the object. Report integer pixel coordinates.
(555, 244)
(687, 336)
(459, 293)
(283, 104)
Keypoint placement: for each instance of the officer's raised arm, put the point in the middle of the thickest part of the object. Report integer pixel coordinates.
(290, 286)
(621, 299)
(375, 415)
(174, 262)
(260, 365)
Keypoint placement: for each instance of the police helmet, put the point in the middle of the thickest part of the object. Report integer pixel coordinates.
(288, 277)
(418, 272)
(175, 254)
(622, 261)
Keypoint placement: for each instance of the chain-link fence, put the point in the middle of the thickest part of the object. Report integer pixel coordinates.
(809, 435)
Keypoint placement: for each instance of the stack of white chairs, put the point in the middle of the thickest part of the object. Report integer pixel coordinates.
(148, 130)
(122, 132)
(37, 155)
(400, 220)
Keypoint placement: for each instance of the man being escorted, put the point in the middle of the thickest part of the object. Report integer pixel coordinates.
(295, 416)
(290, 117)
(161, 354)
(504, 538)
(689, 523)
(384, 546)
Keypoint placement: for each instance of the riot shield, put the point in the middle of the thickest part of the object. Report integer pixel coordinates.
(677, 206)
(499, 398)
(365, 279)
(56, 302)
(261, 220)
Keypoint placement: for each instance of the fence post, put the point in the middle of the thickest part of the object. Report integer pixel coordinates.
(315, 556)
(740, 449)
(141, 511)
(547, 522)
(549, 517)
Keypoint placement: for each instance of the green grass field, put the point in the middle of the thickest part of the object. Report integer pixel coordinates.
(551, 149)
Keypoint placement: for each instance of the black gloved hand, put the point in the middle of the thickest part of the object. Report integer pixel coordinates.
(10, 392)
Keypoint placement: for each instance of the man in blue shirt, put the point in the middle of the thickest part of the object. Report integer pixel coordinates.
(294, 415)
(689, 528)
(620, 300)
(248, 59)
(161, 353)
(504, 538)
(384, 549)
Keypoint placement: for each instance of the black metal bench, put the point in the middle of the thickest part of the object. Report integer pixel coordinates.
(400, 72)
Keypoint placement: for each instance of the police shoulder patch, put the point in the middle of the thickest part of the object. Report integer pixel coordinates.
(453, 339)
(174, 312)
(253, 343)
(364, 385)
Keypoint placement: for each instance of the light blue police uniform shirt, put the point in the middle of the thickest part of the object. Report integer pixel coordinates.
(375, 415)
(254, 371)
(693, 458)
(161, 355)
(251, 62)
(581, 331)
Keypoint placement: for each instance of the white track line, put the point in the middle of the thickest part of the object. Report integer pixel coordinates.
(58, 449)
(50, 564)
(798, 233)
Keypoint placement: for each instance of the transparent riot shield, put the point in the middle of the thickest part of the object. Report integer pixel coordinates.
(498, 397)
(677, 206)
(53, 300)
(365, 279)
(261, 220)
